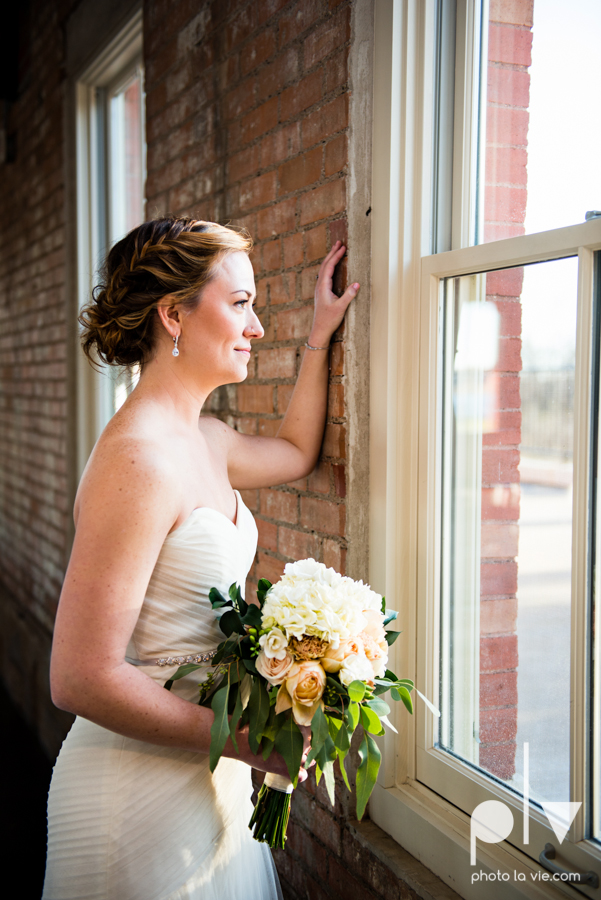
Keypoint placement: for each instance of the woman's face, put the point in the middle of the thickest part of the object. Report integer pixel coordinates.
(216, 335)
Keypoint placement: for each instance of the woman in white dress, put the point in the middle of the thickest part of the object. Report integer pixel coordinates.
(134, 812)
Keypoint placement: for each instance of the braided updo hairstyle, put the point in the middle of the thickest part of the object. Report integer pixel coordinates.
(170, 255)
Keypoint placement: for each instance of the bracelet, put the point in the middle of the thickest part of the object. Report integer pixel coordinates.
(309, 347)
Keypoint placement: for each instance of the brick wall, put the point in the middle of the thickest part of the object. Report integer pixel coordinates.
(509, 56)
(33, 394)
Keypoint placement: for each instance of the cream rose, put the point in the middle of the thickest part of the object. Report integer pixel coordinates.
(302, 690)
(375, 654)
(274, 644)
(356, 667)
(273, 669)
(333, 659)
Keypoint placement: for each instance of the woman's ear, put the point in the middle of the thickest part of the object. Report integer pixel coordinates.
(169, 316)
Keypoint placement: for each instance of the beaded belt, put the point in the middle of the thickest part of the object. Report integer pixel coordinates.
(173, 660)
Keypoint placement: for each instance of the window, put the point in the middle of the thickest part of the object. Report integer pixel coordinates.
(110, 199)
(485, 385)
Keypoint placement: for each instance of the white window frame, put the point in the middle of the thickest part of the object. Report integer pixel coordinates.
(405, 435)
(114, 65)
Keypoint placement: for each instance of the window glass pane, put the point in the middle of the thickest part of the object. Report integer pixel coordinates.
(508, 385)
(127, 158)
(539, 163)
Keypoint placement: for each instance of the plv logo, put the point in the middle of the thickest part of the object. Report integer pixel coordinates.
(492, 821)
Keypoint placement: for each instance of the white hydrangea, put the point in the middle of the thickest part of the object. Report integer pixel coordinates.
(313, 599)
(356, 667)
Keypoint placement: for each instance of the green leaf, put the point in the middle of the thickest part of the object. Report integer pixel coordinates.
(383, 605)
(390, 675)
(258, 705)
(327, 754)
(264, 585)
(220, 728)
(352, 716)
(250, 665)
(217, 599)
(231, 622)
(356, 691)
(328, 774)
(185, 670)
(370, 721)
(252, 617)
(341, 757)
(339, 734)
(289, 742)
(319, 728)
(168, 684)
(236, 718)
(225, 649)
(391, 637)
(267, 746)
(336, 686)
(401, 693)
(379, 707)
(367, 772)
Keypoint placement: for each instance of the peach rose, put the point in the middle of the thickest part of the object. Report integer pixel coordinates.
(375, 628)
(302, 691)
(273, 669)
(375, 654)
(333, 659)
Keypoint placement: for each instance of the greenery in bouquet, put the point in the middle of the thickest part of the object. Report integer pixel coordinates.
(314, 652)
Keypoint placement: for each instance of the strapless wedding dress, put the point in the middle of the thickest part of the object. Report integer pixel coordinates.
(129, 820)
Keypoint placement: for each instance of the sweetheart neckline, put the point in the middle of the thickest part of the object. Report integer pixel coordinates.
(197, 509)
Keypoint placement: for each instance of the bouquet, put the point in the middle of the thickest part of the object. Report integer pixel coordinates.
(314, 652)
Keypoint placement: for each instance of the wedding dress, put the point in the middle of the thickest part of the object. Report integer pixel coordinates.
(129, 820)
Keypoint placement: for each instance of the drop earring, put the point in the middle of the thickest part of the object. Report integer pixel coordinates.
(175, 351)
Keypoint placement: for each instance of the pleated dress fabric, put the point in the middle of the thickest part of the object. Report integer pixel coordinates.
(129, 820)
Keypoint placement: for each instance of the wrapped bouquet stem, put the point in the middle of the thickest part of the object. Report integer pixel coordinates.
(312, 654)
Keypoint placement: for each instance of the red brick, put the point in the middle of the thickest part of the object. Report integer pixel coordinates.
(301, 95)
(337, 358)
(239, 28)
(353, 888)
(334, 443)
(257, 398)
(512, 12)
(269, 567)
(294, 323)
(336, 400)
(509, 45)
(338, 231)
(500, 466)
(281, 289)
(336, 70)
(498, 578)
(300, 172)
(272, 255)
(506, 165)
(279, 73)
(293, 250)
(498, 231)
(498, 616)
(278, 363)
(508, 87)
(322, 202)
(268, 535)
(258, 51)
(510, 355)
(322, 516)
(258, 190)
(276, 219)
(326, 121)
(245, 425)
(259, 120)
(328, 36)
(509, 392)
(505, 282)
(511, 318)
(308, 279)
(501, 502)
(499, 760)
(505, 204)
(336, 155)
(282, 144)
(298, 19)
(279, 505)
(320, 822)
(302, 843)
(340, 480)
(498, 689)
(297, 544)
(251, 499)
(499, 540)
(269, 427)
(268, 8)
(506, 126)
(239, 99)
(498, 653)
(319, 479)
(284, 394)
(317, 246)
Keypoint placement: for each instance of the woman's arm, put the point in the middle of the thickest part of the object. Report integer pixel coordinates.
(128, 503)
(262, 462)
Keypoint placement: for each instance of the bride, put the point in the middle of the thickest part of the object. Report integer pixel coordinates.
(133, 811)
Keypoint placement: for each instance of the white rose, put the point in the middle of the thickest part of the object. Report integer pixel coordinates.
(274, 644)
(356, 667)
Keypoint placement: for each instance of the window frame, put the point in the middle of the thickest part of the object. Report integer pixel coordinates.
(405, 434)
(114, 64)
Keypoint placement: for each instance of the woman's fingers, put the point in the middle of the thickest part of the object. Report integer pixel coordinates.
(326, 270)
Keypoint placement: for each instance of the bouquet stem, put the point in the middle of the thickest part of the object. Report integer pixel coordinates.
(271, 814)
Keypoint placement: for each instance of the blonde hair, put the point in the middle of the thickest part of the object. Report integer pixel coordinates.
(170, 255)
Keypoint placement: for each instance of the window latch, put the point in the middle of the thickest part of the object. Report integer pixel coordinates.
(592, 214)
(546, 860)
